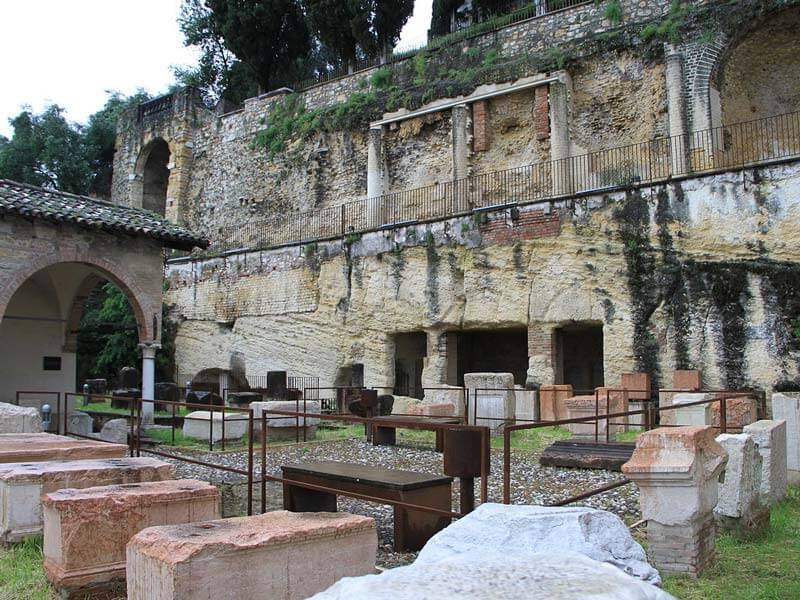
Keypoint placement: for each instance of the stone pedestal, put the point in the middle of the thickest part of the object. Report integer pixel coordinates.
(22, 485)
(738, 413)
(275, 555)
(496, 401)
(551, 402)
(35, 447)
(452, 395)
(283, 427)
(86, 531)
(738, 504)
(770, 439)
(197, 425)
(677, 470)
(19, 419)
(787, 408)
(689, 380)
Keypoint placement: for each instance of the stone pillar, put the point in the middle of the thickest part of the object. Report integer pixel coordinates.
(541, 369)
(434, 370)
(676, 106)
(224, 383)
(461, 141)
(677, 471)
(375, 216)
(738, 504)
(787, 408)
(148, 379)
(563, 177)
(770, 439)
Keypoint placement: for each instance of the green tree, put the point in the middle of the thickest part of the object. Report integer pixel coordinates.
(46, 150)
(388, 19)
(342, 26)
(270, 37)
(442, 13)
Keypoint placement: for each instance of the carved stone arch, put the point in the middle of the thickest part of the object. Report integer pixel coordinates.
(152, 173)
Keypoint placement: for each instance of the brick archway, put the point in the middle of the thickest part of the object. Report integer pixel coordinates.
(142, 303)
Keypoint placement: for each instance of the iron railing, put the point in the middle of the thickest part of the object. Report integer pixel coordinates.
(722, 148)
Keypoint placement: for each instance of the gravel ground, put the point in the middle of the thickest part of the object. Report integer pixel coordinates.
(530, 482)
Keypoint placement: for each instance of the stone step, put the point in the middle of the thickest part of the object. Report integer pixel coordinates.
(22, 485)
(86, 531)
(275, 555)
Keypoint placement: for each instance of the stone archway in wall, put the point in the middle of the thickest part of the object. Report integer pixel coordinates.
(152, 177)
(756, 76)
(40, 306)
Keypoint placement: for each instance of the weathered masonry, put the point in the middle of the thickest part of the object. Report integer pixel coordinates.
(565, 198)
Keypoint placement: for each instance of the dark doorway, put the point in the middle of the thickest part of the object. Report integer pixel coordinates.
(410, 350)
(579, 356)
(156, 178)
(493, 351)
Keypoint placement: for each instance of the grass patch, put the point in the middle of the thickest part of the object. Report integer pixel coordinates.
(105, 407)
(752, 567)
(325, 434)
(627, 436)
(533, 439)
(21, 572)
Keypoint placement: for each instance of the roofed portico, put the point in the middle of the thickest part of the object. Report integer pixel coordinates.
(55, 247)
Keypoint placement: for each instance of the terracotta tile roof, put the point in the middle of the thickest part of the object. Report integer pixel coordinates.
(34, 202)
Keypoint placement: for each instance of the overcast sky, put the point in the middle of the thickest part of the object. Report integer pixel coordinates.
(72, 52)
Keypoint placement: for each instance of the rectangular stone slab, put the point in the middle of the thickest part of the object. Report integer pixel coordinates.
(22, 485)
(86, 531)
(279, 555)
(32, 447)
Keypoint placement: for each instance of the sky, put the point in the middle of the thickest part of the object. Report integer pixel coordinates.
(74, 52)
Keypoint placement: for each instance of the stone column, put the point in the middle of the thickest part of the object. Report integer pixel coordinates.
(224, 383)
(375, 216)
(461, 141)
(559, 136)
(541, 369)
(787, 408)
(677, 470)
(434, 371)
(676, 106)
(148, 379)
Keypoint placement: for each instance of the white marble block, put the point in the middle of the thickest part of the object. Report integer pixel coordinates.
(770, 438)
(740, 490)
(787, 408)
(196, 425)
(496, 400)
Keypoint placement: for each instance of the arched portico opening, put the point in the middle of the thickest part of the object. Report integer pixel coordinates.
(153, 171)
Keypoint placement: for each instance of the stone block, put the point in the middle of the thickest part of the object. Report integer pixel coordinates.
(433, 410)
(689, 380)
(492, 402)
(34, 447)
(79, 423)
(637, 384)
(19, 419)
(587, 406)
(275, 555)
(551, 402)
(677, 470)
(198, 425)
(770, 439)
(453, 395)
(115, 431)
(787, 408)
(738, 502)
(738, 413)
(86, 531)
(523, 403)
(22, 485)
(516, 529)
(485, 575)
(697, 415)
(285, 427)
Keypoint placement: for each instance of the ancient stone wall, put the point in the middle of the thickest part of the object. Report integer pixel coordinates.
(699, 274)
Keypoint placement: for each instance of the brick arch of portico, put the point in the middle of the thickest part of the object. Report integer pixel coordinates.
(146, 306)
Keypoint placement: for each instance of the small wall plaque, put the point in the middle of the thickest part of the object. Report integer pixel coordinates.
(52, 363)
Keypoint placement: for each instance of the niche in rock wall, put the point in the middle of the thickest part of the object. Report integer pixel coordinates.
(410, 350)
(492, 351)
(579, 356)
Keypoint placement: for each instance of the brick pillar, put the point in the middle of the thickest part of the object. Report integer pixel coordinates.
(677, 470)
(541, 368)
(541, 112)
(481, 135)
(559, 136)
